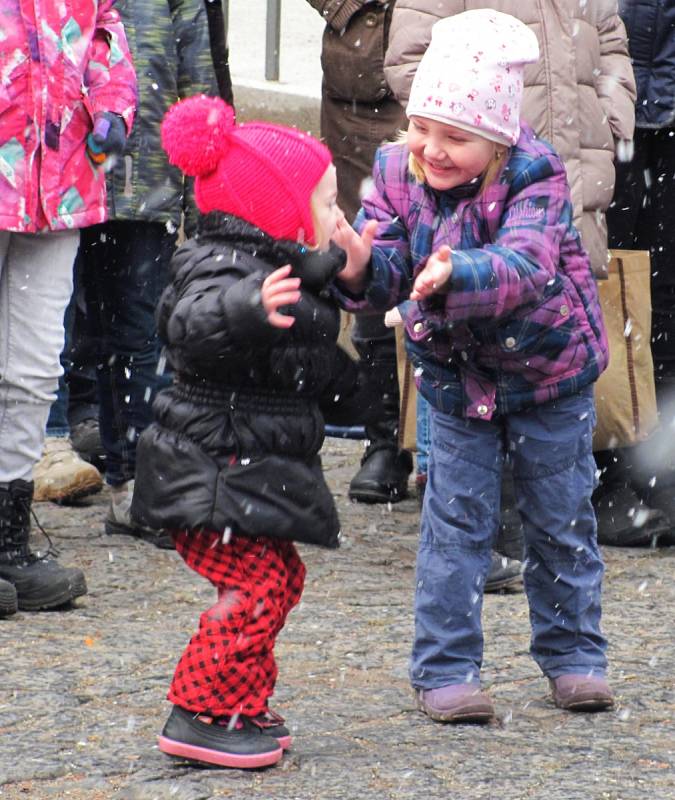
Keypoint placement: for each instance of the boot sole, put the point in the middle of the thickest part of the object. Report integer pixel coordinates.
(8, 604)
(478, 712)
(373, 496)
(76, 491)
(78, 587)
(589, 703)
(641, 538)
(161, 541)
(515, 582)
(285, 742)
(59, 596)
(206, 756)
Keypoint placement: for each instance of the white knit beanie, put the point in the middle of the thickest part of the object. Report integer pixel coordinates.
(471, 75)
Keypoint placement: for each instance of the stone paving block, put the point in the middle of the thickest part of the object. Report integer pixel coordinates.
(83, 691)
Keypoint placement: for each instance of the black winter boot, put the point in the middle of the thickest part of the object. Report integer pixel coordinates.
(227, 742)
(40, 582)
(383, 477)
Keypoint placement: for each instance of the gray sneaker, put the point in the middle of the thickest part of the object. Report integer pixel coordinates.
(505, 573)
(119, 521)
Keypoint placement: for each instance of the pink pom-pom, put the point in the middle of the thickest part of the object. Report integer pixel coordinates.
(196, 133)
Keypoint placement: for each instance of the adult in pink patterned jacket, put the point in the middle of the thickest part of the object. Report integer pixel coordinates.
(65, 75)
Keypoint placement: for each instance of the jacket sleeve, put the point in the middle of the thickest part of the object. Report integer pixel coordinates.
(616, 84)
(212, 309)
(110, 77)
(492, 281)
(195, 72)
(409, 37)
(389, 280)
(337, 13)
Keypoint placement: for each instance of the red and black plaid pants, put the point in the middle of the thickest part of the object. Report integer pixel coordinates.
(228, 667)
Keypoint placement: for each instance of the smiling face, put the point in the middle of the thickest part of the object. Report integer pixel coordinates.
(448, 156)
(325, 210)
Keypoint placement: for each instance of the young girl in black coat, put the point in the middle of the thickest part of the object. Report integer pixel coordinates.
(230, 466)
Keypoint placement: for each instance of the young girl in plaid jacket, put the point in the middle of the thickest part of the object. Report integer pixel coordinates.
(470, 221)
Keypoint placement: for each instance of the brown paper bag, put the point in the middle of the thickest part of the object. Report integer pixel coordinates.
(625, 396)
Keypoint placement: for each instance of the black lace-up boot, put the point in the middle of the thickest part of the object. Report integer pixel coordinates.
(40, 581)
(383, 477)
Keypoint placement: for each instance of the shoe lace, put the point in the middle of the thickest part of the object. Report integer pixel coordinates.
(52, 550)
(268, 719)
(23, 511)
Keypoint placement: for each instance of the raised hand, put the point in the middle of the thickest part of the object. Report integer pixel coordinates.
(434, 276)
(280, 290)
(358, 249)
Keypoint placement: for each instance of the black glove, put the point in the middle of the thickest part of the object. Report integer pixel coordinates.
(108, 137)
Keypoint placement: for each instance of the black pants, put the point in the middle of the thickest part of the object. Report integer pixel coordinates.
(642, 217)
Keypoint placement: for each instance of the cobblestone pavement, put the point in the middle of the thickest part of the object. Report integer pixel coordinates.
(82, 692)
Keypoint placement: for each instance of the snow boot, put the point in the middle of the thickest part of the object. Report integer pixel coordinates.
(40, 581)
(227, 742)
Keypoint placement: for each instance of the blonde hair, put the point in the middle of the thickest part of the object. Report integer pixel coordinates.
(493, 167)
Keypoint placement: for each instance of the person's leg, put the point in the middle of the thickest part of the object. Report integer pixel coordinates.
(227, 672)
(125, 273)
(423, 442)
(505, 568)
(83, 411)
(57, 421)
(554, 474)
(383, 476)
(654, 461)
(353, 132)
(623, 516)
(61, 476)
(256, 590)
(35, 273)
(459, 522)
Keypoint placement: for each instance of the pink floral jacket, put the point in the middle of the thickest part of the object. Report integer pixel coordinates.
(61, 61)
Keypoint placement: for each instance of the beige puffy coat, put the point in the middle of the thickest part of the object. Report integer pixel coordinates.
(580, 95)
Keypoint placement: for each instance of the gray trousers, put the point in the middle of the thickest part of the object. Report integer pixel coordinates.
(36, 281)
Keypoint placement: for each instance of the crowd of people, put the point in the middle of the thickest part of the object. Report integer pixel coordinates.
(190, 273)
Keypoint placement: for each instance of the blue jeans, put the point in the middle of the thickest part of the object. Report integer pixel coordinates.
(554, 474)
(124, 270)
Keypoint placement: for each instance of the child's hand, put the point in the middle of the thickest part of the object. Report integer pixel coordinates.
(280, 290)
(358, 249)
(435, 275)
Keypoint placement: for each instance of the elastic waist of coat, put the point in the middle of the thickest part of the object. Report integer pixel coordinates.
(260, 400)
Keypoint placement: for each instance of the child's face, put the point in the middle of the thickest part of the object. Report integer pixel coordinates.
(325, 208)
(448, 156)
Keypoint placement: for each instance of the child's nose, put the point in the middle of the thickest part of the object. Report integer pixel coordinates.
(434, 151)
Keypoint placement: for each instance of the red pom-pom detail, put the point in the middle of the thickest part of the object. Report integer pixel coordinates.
(196, 133)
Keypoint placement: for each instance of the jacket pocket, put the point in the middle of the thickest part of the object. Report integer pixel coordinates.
(544, 346)
(353, 59)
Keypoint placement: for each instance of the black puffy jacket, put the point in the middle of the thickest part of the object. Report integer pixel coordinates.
(650, 25)
(236, 438)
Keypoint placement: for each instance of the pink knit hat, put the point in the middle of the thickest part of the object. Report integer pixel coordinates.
(263, 173)
(471, 75)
